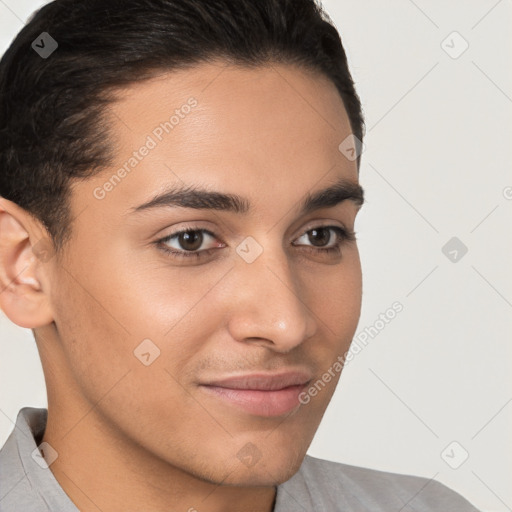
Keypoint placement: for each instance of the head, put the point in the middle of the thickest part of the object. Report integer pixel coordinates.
(175, 211)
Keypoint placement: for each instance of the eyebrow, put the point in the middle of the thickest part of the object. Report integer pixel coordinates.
(193, 196)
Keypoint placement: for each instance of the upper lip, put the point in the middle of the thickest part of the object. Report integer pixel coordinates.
(263, 381)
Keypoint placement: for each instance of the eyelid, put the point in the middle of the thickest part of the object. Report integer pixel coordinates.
(176, 234)
(318, 224)
(343, 235)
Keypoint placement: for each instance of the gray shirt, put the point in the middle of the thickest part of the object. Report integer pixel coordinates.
(318, 486)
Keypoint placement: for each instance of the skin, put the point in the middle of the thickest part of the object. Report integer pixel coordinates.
(169, 445)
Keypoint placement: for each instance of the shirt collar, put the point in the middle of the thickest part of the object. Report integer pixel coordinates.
(29, 429)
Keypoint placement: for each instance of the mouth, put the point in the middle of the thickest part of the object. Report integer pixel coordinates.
(265, 395)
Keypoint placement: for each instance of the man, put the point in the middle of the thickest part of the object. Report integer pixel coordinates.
(176, 227)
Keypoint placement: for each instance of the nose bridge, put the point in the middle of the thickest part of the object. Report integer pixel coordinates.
(267, 303)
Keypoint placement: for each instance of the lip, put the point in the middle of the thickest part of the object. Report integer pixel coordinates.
(260, 394)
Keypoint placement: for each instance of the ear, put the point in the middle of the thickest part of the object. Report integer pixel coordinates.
(25, 256)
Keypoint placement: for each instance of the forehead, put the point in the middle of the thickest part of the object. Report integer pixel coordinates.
(227, 85)
(272, 130)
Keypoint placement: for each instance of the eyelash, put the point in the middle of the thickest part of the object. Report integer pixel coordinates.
(344, 235)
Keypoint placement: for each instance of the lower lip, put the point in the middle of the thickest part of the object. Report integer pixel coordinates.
(257, 402)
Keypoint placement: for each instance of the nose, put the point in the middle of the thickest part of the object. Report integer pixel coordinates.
(268, 304)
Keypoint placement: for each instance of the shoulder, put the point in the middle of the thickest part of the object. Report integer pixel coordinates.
(25, 485)
(334, 486)
(15, 486)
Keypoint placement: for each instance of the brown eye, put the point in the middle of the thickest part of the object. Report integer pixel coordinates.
(190, 240)
(319, 236)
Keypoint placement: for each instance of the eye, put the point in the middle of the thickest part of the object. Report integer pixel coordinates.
(322, 236)
(189, 242)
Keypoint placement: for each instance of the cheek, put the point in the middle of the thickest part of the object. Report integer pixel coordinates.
(94, 341)
(334, 295)
(103, 312)
(101, 325)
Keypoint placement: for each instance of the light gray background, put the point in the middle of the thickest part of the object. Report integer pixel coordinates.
(436, 166)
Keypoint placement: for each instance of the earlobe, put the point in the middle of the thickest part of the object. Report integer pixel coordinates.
(23, 296)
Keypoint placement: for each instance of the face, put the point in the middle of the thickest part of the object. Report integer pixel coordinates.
(196, 347)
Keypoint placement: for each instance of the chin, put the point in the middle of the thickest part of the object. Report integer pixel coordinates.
(265, 471)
